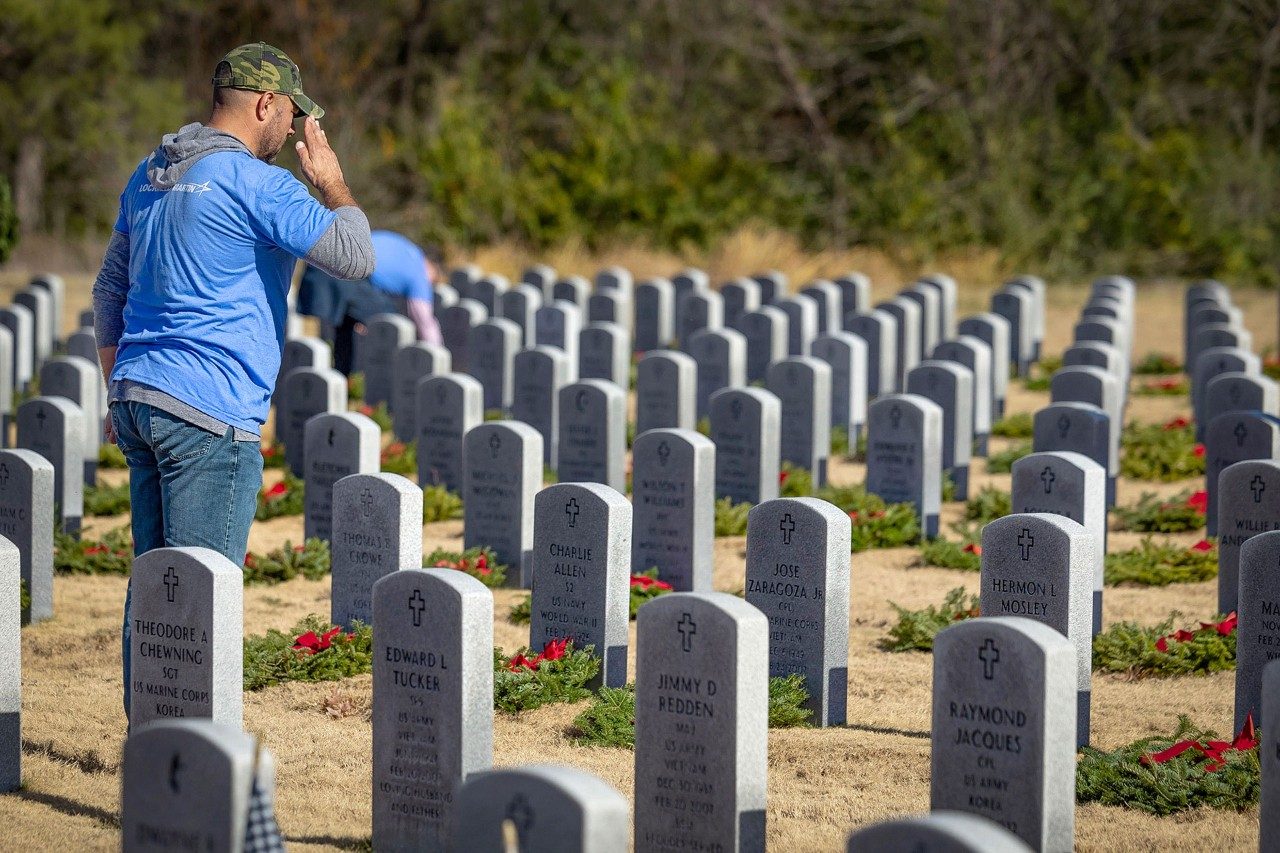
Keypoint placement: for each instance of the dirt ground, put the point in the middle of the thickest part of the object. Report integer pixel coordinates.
(822, 783)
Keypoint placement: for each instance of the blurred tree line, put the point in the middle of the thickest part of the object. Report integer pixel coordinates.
(1069, 134)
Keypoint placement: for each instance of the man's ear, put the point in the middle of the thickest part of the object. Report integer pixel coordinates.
(262, 107)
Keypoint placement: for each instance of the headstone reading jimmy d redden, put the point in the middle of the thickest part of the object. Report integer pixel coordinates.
(655, 314)
(766, 332)
(432, 702)
(846, 355)
(377, 529)
(802, 322)
(1003, 727)
(698, 310)
(798, 575)
(939, 832)
(26, 520)
(75, 379)
(1014, 304)
(545, 808)
(745, 426)
(906, 316)
(540, 373)
(673, 504)
(1041, 565)
(802, 385)
(1230, 438)
(581, 573)
(879, 330)
(186, 624)
(993, 330)
(335, 446)
(54, 427)
(827, 297)
(413, 363)
(503, 472)
(1071, 485)
(855, 293)
(455, 328)
(605, 353)
(309, 391)
(974, 354)
(950, 385)
(1258, 630)
(491, 347)
(666, 385)
(593, 428)
(519, 305)
(17, 320)
(701, 723)
(10, 668)
(387, 334)
(559, 325)
(542, 278)
(904, 455)
(1242, 392)
(574, 289)
(448, 406)
(720, 356)
(1248, 505)
(741, 296)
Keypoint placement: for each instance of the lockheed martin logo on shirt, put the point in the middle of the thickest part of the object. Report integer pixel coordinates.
(177, 188)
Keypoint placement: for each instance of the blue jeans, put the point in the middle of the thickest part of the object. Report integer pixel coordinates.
(187, 487)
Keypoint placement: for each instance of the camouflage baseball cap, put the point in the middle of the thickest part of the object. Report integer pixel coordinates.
(263, 68)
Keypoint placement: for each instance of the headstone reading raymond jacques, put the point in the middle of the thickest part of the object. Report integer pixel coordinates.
(1004, 727)
(432, 702)
(581, 573)
(185, 635)
(798, 575)
(702, 717)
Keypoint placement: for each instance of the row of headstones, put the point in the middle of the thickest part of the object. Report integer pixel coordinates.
(207, 786)
(1002, 712)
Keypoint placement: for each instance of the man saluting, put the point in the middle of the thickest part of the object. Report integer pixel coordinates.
(189, 307)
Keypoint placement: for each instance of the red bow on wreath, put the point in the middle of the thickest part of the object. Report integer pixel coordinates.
(1225, 628)
(1215, 750)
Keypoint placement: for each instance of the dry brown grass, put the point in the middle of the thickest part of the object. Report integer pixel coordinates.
(822, 784)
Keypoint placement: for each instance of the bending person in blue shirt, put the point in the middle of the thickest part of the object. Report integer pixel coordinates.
(401, 282)
(189, 307)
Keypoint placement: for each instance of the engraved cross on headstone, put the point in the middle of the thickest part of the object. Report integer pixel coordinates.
(1064, 426)
(4, 474)
(171, 583)
(664, 453)
(1259, 486)
(687, 628)
(366, 503)
(40, 416)
(1025, 541)
(1047, 477)
(571, 509)
(416, 605)
(175, 767)
(895, 417)
(1240, 432)
(495, 444)
(735, 409)
(989, 654)
(330, 438)
(787, 526)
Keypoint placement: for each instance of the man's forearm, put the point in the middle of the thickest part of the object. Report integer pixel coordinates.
(107, 358)
(337, 194)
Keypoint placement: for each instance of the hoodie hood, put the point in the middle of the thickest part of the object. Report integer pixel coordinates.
(179, 151)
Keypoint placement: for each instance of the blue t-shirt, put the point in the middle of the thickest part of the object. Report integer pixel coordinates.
(210, 262)
(400, 268)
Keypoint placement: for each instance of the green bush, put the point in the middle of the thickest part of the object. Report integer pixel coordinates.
(355, 387)
(24, 597)
(518, 687)
(794, 482)
(988, 504)
(1156, 364)
(965, 555)
(8, 222)
(1175, 386)
(111, 457)
(1152, 514)
(916, 629)
(111, 555)
(1189, 781)
(1002, 461)
(274, 657)
(480, 563)
(286, 497)
(440, 504)
(1160, 564)
(378, 414)
(731, 518)
(1017, 425)
(1161, 452)
(310, 560)
(876, 524)
(1136, 651)
(400, 458)
(106, 500)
